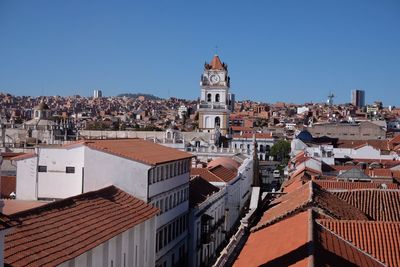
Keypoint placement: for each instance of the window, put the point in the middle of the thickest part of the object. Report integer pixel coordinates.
(208, 97)
(217, 98)
(70, 169)
(42, 168)
(217, 121)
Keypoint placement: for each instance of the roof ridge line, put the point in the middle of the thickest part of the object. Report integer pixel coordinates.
(349, 243)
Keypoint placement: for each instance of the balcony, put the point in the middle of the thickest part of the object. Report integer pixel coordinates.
(213, 105)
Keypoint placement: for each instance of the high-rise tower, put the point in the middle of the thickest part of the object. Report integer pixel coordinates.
(358, 98)
(216, 102)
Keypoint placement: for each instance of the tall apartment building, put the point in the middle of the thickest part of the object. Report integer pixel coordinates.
(358, 98)
(97, 93)
(156, 174)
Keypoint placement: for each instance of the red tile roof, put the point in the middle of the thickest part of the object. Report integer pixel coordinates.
(310, 195)
(223, 173)
(16, 205)
(250, 135)
(282, 244)
(379, 239)
(333, 250)
(227, 162)
(214, 174)
(377, 204)
(377, 144)
(24, 156)
(5, 222)
(216, 63)
(299, 241)
(200, 190)
(7, 186)
(343, 185)
(137, 149)
(62, 230)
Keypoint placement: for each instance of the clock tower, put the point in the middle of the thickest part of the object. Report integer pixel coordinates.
(216, 102)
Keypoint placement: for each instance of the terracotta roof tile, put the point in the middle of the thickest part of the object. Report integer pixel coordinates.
(250, 135)
(343, 185)
(282, 244)
(200, 190)
(24, 156)
(5, 222)
(379, 205)
(310, 195)
(225, 174)
(89, 219)
(227, 162)
(205, 174)
(7, 186)
(138, 150)
(216, 63)
(379, 239)
(333, 250)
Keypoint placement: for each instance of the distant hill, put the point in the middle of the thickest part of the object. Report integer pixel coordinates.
(136, 95)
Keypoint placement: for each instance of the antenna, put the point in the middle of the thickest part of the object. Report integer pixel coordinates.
(216, 49)
(330, 98)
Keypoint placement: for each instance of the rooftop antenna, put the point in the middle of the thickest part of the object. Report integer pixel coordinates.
(330, 99)
(216, 49)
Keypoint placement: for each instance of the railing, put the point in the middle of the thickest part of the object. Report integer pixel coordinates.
(213, 106)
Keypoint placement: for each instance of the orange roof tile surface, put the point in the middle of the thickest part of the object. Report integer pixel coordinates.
(379, 239)
(15, 205)
(377, 204)
(333, 250)
(343, 185)
(307, 196)
(216, 63)
(7, 186)
(62, 230)
(281, 244)
(138, 150)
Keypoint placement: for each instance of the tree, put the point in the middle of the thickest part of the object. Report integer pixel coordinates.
(280, 151)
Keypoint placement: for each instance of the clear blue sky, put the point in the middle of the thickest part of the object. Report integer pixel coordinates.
(292, 51)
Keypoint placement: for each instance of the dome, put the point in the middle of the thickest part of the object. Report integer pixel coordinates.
(226, 162)
(305, 136)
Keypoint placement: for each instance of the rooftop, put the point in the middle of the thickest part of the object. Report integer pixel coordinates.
(62, 230)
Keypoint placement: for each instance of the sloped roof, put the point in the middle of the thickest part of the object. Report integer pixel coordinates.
(5, 222)
(300, 241)
(227, 162)
(310, 195)
(379, 239)
(377, 204)
(62, 230)
(354, 173)
(214, 174)
(216, 63)
(333, 250)
(136, 149)
(331, 185)
(200, 190)
(223, 173)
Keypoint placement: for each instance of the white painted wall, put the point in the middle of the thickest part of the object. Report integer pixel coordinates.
(56, 160)
(104, 169)
(214, 206)
(134, 247)
(26, 179)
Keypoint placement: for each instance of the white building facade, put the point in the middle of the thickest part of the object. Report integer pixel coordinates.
(155, 174)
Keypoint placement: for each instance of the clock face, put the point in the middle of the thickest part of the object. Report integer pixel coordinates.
(214, 78)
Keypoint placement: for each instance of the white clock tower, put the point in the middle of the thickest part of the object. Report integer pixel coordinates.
(216, 102)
